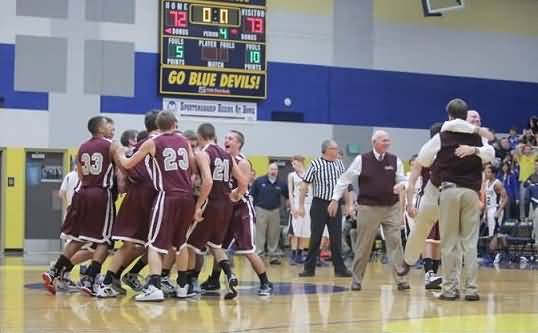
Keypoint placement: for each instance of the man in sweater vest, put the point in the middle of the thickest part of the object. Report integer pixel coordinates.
(458, 174)
(381, 177)
(426, 214)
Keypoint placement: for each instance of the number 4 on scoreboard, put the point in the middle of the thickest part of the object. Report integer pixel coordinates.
(223, 33)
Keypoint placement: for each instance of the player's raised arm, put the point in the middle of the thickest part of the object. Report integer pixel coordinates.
(192, 160)
(147, 147)
(202, 160)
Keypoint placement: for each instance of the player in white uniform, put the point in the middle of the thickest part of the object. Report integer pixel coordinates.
(410, 221)
(496, 200)
(300, 225)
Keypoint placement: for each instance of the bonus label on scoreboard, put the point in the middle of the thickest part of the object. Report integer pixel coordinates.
(213, 48)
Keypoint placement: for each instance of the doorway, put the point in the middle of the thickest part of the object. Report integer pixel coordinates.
(43, 208)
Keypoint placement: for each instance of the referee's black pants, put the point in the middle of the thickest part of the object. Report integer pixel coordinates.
(319, 217)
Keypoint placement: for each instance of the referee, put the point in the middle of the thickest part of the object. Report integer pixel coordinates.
(323, 174)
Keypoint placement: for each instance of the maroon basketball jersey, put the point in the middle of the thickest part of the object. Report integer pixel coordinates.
(140, 174)
(96, 166)
(221, 164)
(235, 184)
(170, 166)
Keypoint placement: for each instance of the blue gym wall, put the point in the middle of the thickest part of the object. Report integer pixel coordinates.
(372, 63)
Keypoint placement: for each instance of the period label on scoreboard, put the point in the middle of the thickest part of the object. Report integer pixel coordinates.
(213, 48)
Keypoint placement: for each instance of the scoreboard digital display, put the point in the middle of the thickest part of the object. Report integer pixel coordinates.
(213, 48)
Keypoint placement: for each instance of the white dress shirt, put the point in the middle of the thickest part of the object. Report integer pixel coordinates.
(68, 186)
(355, 169)
(429, 151)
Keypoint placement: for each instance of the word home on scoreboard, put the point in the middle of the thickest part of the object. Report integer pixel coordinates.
(213, 48)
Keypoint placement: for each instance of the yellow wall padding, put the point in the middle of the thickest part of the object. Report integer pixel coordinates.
(14, 198)
(260, 164)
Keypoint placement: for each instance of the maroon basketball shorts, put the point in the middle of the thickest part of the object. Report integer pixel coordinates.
(434, 236)
(90, 217)
(70, 228)
(134, 216)
(213, 228)
(171, 216)
(241, 232)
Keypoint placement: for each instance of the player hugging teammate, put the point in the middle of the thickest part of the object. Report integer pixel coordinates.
(161, 220)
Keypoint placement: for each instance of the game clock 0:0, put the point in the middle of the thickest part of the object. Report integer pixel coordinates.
(215, 15)
(213, 48)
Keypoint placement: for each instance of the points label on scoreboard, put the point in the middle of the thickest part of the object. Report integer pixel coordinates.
(213, 48)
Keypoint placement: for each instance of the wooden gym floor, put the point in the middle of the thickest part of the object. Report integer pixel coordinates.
(322, 304)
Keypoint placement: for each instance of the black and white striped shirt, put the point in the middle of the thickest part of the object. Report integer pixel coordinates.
(323, 175)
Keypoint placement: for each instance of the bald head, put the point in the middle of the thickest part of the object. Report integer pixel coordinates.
(473, 117)
(273, 170)
(381, 141)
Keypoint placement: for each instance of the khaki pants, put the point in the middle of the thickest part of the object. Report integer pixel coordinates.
(267, 230)
(370, 217)
(459, 224)
(427, 215)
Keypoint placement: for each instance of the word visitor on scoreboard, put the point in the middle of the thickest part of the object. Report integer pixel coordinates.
(212, 83)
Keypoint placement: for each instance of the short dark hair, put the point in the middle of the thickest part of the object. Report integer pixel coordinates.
(240, 136)
(166, 120)
(492, 168)
(206, 131)
(457, 108)
(150, 120)
(413, 157)
(435, 128)
(95, 124)
(142, 135)
(109, 120)
(127, 136)
(190, 135)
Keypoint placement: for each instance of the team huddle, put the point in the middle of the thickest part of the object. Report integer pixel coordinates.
(184, 195)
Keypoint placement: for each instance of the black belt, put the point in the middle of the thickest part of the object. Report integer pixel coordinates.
(447, 185)
(320, 199)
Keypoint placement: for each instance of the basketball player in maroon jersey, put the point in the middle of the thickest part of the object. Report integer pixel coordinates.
(241, 231)
(196, 261)
(132, 224)
(90, 216)
(172, 166)
(216, 169)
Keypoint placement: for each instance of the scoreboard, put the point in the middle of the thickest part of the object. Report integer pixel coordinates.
(213, 48)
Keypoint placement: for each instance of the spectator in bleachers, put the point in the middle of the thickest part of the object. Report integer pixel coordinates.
(526, 158)
(513, 138)
(532, 194)
(502, 148)
(511, 185)
(528, 138)
(494, 140)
